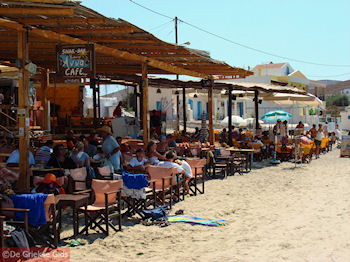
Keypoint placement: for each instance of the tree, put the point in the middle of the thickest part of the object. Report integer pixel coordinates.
(337, 100)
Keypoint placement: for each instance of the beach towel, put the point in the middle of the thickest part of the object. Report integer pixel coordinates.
(135, 181)
(34, 202)
(197, 221)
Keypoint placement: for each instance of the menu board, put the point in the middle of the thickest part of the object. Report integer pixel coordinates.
(345, 146)
(75, 61)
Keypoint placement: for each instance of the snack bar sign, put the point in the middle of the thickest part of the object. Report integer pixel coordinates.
(75, 61)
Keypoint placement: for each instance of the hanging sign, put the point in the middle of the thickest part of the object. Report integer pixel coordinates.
(75, 61)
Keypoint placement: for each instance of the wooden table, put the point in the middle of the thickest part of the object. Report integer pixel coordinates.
(248, 153)
(75, 202)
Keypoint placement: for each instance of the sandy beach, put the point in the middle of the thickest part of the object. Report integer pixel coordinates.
(274, 213)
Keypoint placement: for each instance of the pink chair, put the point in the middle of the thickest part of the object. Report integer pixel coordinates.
(107, 205)
(161, 182)
(198, 170)
(105, 172)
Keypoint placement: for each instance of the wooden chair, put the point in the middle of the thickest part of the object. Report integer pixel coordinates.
(48, 233)
(198, 170)
(77, 180)
(107, 205)
(7, 215)
(105, 173)
(162, 180)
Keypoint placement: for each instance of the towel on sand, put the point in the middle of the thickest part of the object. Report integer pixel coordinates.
(197, 220)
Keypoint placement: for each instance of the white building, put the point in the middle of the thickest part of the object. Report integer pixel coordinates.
(346, 91)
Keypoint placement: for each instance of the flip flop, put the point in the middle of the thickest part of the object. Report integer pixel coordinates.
(75, 243)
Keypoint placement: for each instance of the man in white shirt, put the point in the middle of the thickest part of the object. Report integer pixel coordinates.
(338, 133)
(170, 157)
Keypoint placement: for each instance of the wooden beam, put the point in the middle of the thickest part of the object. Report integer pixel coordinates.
(230, 142)
(106, 30)
(41, 1)
(61, 21)
(23, 105)
(122, 40)
(36, 11)
(103, 49)
(210, 113)
(145, 104)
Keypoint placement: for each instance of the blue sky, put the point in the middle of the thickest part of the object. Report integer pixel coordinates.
(310, 30)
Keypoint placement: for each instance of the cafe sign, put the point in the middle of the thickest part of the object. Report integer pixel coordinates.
(75, 61)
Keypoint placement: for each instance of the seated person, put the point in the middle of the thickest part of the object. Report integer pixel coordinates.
(60, 160)
(188, 173)
(195, 135)
(99, 156)
(224, 136)
(88, 148)
(44, 153)
(256, 144)
(13, 159)
(171, 142)
(138, 162)
(49, 186)
(162, 147)
(152, 153)
(80, 158)
(169, 162)
(71, 140)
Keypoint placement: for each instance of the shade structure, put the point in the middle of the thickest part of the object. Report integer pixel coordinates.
(293, 99)
(273, 116)
(236, 120)
(249, 122)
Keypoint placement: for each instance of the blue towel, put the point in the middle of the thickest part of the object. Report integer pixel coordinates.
(135, 181)
(34, 202)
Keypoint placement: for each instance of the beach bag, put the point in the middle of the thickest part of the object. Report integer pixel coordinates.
(155, 213)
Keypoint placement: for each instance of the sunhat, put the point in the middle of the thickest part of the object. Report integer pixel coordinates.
(105, 129)
(49, 178)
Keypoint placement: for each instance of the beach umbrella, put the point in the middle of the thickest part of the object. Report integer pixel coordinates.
(250, 122)
(236, 120)
(273, 116)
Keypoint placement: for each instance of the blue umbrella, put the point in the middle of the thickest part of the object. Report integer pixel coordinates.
(273, 116)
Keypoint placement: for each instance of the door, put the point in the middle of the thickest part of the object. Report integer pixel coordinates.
(207, 112)
(199, 110)
(190, 101)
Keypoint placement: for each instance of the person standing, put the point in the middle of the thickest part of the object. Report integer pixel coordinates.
(118, 110)
(110, 148)
(338, 133)
(325, 129)
(318, 140)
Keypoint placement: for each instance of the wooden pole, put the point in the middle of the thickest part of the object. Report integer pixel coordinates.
(135, 102)
(145, 104)
(23, 114)
(93, 87)
(230, 116)
(45, 82)
(184, 108)
(210, 113)
(141, 103)
(256, 105)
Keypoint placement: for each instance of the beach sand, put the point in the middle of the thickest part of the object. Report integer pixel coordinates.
(274, 213)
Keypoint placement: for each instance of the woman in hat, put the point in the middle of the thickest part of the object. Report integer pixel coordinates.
(110, 148)
(49, 186)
